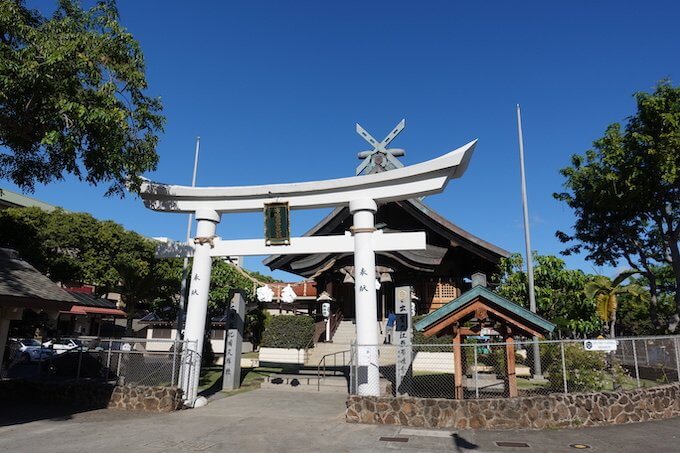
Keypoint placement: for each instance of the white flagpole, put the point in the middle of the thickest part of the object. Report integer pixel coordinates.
(527, 241)
(185, 267)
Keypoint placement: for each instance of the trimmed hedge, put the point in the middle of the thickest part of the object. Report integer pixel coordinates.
(288, 332)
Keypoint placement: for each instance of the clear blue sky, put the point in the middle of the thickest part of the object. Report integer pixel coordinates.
(274, 90)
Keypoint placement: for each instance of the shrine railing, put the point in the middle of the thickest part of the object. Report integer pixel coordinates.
(335, 319)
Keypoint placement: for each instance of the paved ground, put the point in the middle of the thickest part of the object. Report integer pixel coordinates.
(266, 420)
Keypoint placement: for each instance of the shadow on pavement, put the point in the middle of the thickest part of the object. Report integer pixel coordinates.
(15, 413)
(461, 444)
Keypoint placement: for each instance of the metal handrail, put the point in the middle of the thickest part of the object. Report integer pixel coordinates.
(315, 336)
(335, 365)
(336, 319)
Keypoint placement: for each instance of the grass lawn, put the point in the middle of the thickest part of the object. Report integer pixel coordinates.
(209, 376)
(211, 379)
(527, 384)
(431, 373)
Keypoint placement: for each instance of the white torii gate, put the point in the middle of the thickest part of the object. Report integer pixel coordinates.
(361, 193)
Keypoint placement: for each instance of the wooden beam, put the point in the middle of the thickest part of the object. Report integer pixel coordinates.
(511, 384)
(472, 308)
(458, 365)
(465, 331)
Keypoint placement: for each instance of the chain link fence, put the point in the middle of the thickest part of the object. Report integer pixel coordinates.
(133, 361)
(566, 366)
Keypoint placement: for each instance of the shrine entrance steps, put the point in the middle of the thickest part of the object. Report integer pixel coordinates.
(313, 383)
(342, 340)
(306, 383)
(327, 367)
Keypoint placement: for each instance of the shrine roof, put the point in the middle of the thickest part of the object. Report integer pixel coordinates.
(430, 220)
(517, 313)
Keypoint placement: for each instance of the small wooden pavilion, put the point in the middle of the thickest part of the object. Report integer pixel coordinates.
(478, 309)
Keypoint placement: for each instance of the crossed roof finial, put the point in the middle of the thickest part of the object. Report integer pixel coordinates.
(380, 154)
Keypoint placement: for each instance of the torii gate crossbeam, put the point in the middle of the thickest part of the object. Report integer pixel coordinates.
(361, 193)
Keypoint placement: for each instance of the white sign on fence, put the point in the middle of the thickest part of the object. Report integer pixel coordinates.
(599, 345)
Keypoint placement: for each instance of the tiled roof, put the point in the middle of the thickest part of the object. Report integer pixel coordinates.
(88, 300)
(18, 279)
(304, 288)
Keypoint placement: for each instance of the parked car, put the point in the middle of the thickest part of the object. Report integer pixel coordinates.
(117, 345)
(61, 345)
(28, 350)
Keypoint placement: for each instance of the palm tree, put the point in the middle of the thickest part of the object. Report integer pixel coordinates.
(606, 291)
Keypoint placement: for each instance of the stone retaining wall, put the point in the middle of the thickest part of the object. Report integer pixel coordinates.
(535, 412)
(149, 399)
(93, 395)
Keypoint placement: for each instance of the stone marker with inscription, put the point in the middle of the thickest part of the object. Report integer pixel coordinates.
(233, 342)
(402, 336)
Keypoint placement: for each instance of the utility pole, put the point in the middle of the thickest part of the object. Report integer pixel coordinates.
(185, 267)
(538, 373)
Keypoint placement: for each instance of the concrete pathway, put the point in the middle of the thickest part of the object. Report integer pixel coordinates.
(264, 421)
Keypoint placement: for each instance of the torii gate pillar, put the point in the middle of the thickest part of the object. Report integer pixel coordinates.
(365, 301)
(197, 307)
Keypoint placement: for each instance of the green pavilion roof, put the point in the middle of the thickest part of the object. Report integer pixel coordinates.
(519, 313)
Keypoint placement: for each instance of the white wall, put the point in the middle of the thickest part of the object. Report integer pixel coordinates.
(159, 346)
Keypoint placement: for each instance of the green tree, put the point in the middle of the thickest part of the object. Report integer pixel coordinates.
(607, 293)
(76, 247)
(625, 194)
(633, 314)
(559, 293)
(72, 97)
(224, 279)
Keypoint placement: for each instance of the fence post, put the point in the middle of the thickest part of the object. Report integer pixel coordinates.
(564, 368)
(174, 362)
(108, 361)
(80, 360)
(677, 358)
(623, 352)
(646, 352)
(120, 356)
(353, 371)
(635, 359)
(476, 370)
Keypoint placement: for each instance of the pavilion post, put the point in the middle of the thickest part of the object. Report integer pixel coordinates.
(197, 308)
(458, 364)
(363, 212)
(510, 362)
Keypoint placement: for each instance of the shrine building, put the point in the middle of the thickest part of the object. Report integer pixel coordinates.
(437, 275)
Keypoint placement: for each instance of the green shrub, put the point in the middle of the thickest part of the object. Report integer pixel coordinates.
(256, 323)
(586, 370)
(288, 332)
(420, 338)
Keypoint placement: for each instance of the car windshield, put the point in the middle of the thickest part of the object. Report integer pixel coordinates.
(30, 342)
